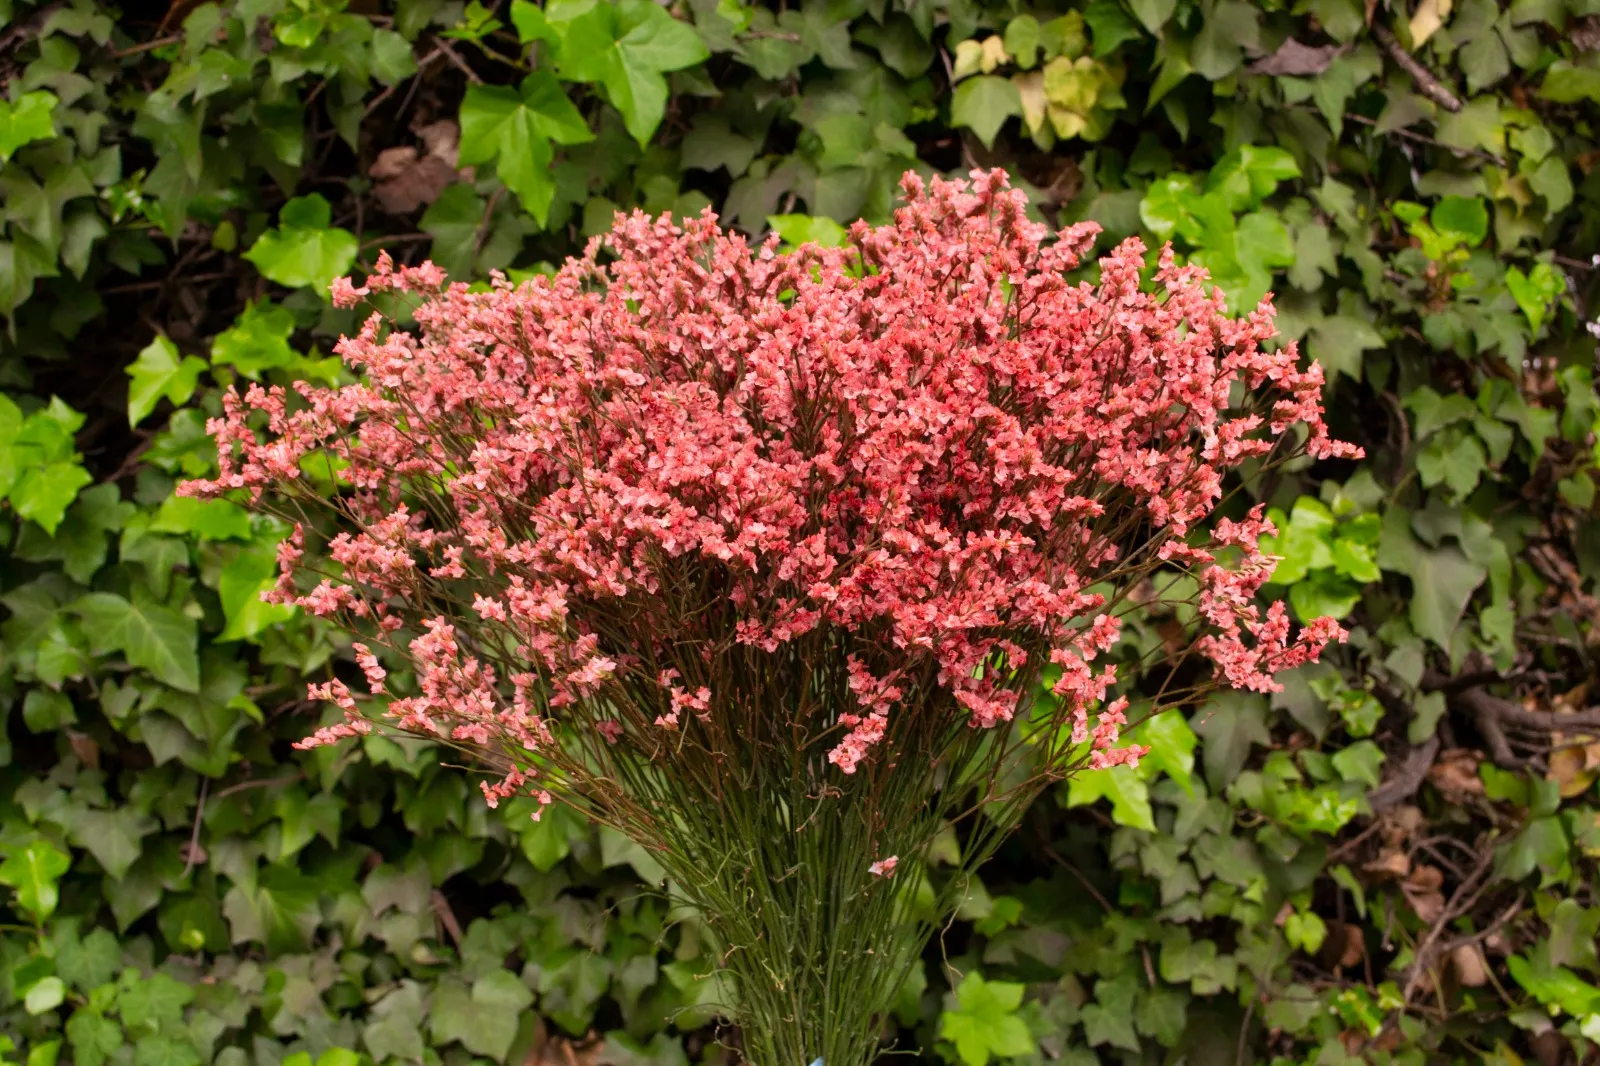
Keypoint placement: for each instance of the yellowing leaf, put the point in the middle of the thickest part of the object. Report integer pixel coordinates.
(1430, 16)
(969, 60)
(1030, 87)
(994, 54)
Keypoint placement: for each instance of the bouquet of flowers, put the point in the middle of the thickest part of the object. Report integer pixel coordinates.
(783, 564)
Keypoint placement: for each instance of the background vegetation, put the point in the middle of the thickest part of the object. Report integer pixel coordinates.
(1391, 861)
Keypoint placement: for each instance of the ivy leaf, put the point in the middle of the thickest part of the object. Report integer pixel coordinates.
(1338, 341)
(93, 1036)
(45, 995)
(205, 519)
(1230, 724)
(257, 341)
(1567, 83)
(279, 912)
(1555, 986)
(808, 229)
(1323, 594)
(152, 636)
(1535, 291)
(1171, 743)
(1442, 579)
(165, 1050)
(152, 1003)
(985, 1025)
(1109, 1019)
(305, 249)
(1463, 218)
(1454, 458)
(516, 128)
(33, 872)
(1246, 176)
(394, 1032)
(983, 104)
(531, 24)
(29, 119)
(1167, 207)
(253, 571)
(1305, 930)
(483, 1020)
(157, 373)
(43, 493)
(112, 837)
(88, 962)
(1108, 24)
(627, 46)
(1541, 844)
(1122, 785)
(1359, 762)
(1153, 13)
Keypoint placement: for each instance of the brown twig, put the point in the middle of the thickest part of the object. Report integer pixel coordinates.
(147, 46)
(1056, 857)
(1427, 82)
(262, 782)
(459, 63)
(1349, 846)
(1494, 715)
(1461, 901)
(487, 224)
(422, 65)
(446, 916)
(192, 853)
(1404, 784)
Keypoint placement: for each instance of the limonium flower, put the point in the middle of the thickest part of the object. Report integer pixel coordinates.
(711, 540)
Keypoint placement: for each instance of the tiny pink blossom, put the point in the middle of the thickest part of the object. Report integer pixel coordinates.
(918, 453)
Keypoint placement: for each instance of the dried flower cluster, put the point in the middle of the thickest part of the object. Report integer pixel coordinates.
(783, 524)
(928, 442)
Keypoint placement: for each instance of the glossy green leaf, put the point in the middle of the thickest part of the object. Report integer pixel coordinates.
(160, 372)
(1123, 786)
(257, 342)
(27, 119)
(985, 1025)
(152, 636)
(1462, 218)
(516, 129)
(32, 871)
(982, 104)
(305, 249)
(627, 47)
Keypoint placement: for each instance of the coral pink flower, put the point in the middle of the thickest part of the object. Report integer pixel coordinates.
(915, 465)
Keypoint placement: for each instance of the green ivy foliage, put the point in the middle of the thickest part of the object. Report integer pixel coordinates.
(1390, 861)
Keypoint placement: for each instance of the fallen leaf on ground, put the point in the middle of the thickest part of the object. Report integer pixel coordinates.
(1344, 947)
(1391, 863)
(408, 179)
(1297, 60)
(405, 182)
(1455, 774)
(1472, 969)
(1421, 888)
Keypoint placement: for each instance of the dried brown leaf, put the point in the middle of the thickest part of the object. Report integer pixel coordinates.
(1472, 969)
(1298, 60)
(405, 183)
(1455, 774)
(1391, 864)
(1585, 34)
